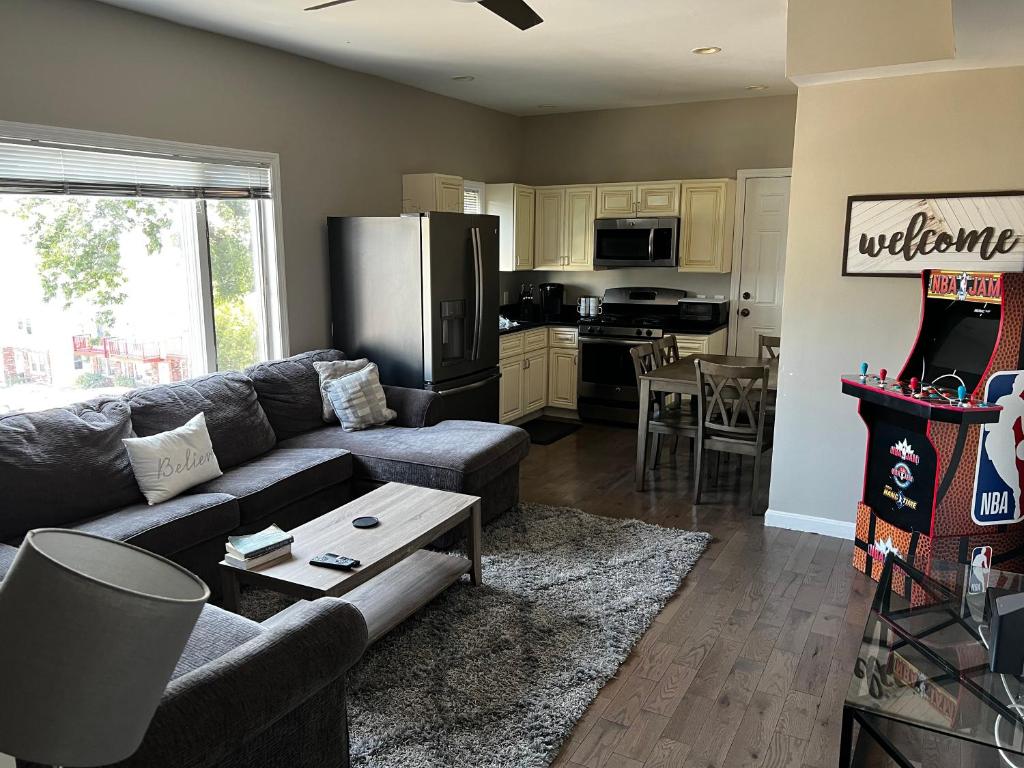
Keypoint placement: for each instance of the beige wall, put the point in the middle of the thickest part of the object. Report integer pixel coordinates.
(699, 140)
(344, 138)
(837, 35)
(872, 136)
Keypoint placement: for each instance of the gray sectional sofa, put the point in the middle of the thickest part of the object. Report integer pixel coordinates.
(282, 464)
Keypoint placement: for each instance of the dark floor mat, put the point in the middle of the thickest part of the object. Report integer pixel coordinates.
(548, 431)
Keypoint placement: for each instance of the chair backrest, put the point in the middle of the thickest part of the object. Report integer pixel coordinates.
(731, 399)
(668, 349)
(768, 347)
(644, 357)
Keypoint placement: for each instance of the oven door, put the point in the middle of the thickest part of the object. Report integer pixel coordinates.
(636, 242)
(606, 371)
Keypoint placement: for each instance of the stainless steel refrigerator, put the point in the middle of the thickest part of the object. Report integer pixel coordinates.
(418, 296)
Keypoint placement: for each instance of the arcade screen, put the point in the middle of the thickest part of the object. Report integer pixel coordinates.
(957, 337)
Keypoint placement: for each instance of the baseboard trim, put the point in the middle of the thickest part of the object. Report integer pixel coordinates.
(773, 518)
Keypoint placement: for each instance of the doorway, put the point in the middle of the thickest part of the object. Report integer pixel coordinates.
(759, 257)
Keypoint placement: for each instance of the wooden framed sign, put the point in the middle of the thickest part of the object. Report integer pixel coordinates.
(901, 235)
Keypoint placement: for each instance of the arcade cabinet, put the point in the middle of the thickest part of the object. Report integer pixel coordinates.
(944, 467)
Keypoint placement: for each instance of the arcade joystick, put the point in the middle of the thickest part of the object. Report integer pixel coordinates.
(881, 376)
(915, 386)
(961, 393)
(863, 371)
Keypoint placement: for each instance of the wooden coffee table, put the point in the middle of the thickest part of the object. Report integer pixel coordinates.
(396, 577)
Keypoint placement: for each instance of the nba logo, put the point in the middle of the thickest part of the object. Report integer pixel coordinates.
(981, 565)
(999, 473)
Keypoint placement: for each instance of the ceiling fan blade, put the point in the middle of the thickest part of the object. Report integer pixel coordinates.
(326, 5)
(514, 12)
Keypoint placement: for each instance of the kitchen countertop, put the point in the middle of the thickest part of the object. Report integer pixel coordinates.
(525, 325)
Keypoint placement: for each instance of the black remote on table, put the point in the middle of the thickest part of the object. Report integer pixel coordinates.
(331, 560)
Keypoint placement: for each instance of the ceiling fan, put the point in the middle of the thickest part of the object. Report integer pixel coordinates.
(515, 12)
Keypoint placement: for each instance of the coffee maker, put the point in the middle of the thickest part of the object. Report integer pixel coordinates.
(551, 297)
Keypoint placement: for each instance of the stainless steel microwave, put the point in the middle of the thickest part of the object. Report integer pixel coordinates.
(636, 242)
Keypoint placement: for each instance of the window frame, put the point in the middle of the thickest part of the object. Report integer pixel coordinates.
(271, 234)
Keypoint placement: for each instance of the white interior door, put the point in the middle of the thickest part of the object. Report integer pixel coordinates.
(757, 308)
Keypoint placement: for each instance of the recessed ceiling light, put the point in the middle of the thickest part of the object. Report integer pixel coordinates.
(706, 50)
(757, 87)
(463, 78)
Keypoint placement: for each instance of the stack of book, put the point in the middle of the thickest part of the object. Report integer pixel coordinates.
(256, 549)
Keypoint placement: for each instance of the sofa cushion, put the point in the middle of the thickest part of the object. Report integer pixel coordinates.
(289, 391)
(170, 526)
(6, 559)
(238, 426)
(458, 456)
(63, 465)
(274, 480)
(216, 633)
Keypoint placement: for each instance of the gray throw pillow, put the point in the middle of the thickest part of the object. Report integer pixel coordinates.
(358, 399)
(330, 370)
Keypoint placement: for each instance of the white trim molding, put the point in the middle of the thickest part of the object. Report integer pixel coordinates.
(737, 239)
(826, 526)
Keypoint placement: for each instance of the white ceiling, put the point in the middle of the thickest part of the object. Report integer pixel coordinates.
(588, 54)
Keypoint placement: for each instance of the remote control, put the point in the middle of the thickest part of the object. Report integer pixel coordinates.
(331, 560)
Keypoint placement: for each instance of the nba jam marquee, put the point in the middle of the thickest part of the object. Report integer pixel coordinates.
(944, 466)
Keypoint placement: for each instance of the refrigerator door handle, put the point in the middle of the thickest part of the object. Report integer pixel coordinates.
(478, 311)
(467, 387)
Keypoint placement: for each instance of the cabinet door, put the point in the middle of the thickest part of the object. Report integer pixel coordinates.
(525, 203)
(579, 228)
(535, 381)
(706, 238)
(511, 389)
(658, 199)
(616, 201)
(549, 243)
(562, 378)
(449, 194)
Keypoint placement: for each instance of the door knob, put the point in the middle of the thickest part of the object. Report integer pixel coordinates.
(744, 312)
(746, 294)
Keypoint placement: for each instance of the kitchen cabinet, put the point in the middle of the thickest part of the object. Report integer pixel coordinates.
(511, 389)
(565, 228)
(535, 381)
(562, 377)
(423, 192)
(647, 198)
(515, 205)
(705, 237)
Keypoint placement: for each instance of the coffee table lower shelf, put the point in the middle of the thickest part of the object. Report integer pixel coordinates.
(389, 599)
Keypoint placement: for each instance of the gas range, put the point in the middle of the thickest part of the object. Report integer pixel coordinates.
(621, 328)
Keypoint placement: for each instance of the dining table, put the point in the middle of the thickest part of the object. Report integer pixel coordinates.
(680, 378)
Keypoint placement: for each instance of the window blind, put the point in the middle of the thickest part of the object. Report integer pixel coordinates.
(43, 168)
(471, 201)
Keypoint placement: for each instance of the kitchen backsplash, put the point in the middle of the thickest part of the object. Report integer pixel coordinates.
(593, 283)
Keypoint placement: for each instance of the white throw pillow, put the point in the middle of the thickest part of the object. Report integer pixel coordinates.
(171, 462)
(331, 370)
(358, 399)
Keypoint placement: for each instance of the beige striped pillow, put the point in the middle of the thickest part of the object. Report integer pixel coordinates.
(358, 399)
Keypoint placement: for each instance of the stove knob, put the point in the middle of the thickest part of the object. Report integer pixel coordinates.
(589, 329)
(650, 333)
(639, 332)
(600, 330)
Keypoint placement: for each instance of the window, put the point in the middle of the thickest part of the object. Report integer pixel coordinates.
(473, 197)
(126, 263)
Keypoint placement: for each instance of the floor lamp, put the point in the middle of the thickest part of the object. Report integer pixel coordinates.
(90, 632)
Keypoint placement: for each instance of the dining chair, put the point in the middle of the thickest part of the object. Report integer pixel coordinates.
(661, 420)
(668, 349)
(768, 347)
(732, 405)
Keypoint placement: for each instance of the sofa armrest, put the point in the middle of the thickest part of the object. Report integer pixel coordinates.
(415, 407)
(207, 714)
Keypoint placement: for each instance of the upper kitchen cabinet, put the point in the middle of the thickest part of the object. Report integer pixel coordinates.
(515, 205)
(648, 198)
(705, 238)
(549, 239)
(565, 228)
(423, 192)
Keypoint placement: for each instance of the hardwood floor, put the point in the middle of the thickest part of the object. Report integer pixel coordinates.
(748, 664)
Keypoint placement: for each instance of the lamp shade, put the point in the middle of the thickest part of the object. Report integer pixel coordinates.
(90, 632)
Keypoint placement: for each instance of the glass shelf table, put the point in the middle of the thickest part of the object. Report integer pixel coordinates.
(923, 667)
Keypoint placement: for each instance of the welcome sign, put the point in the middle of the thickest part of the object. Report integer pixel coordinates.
(901, 235)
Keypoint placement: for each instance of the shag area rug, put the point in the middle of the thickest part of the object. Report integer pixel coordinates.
(496, 676)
